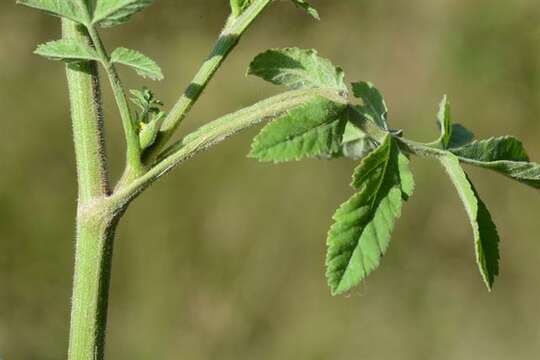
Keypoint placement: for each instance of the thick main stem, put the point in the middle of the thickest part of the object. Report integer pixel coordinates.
(93, 257)
(96, 218)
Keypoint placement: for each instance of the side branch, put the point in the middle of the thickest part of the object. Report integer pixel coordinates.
(229, 38)
(132, 139)
(219, 130)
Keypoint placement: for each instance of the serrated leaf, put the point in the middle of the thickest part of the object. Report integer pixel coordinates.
(311, 130)
(506, 155)
(142, 64)
(115, 12)
(361, 232)
(308, 8)
(238, 6)
(485, 233)
(374, 106)
(297, 69)
(67, 50)
(70, 9)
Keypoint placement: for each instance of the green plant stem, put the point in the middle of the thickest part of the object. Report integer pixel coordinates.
(87, 119)
(217, 131)
(420, 149)
(95, 219)
(228, 39)
(93, 258)
(134, 165)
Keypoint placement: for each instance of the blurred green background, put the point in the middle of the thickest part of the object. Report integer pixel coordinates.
(224, 258)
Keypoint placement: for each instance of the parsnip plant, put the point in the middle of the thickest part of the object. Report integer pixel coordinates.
(318, 117)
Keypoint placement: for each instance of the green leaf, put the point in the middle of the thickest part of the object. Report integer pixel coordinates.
(146, 101)
(149, 131)
(360, 235)
(452, 135)
(143, 65)
(374, 107)
(297, 69)
(238, 6)
(406, 177)
(506, 155)
(485, 233)
(115, 12)
(314, 129)
(70, 9)
(445, 123)
(460, 136)
(67, 50)
(356, 144)
(307, 7)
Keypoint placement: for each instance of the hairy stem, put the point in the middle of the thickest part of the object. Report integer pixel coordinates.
(95, 220)
(231, 34)
(93, 259)
(87, 118)
(134, 165)
(217, 131)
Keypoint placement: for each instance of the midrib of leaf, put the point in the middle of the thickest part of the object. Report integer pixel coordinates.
(372, 212)
(377, 202)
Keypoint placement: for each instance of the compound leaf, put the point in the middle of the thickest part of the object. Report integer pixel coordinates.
(115, 12)
(506, 155)
(362, 226)
(67, 50)
(64, 8)
(486, 237)
(374, 106)
(311, 130)
(297, 69)
(308, 8)
(142, 64)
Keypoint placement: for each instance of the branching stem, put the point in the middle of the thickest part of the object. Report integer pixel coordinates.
(133, 153)
(231, 34)
(219, 130)
(95, 219)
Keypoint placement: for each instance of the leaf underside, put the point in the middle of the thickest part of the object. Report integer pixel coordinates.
(308, 8)
(445, 123)
(356, 144)
(505, 155)
(67, 50)
(486, 237)
(142, 64)
(115, 12)
(63, 8)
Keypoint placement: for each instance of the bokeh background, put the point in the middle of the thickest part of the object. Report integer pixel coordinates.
(224, 259)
